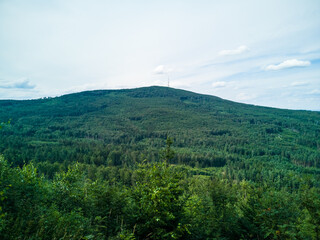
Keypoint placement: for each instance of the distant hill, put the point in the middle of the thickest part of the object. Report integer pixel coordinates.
(122, 127)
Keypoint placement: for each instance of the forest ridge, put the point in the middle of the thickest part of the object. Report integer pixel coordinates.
(207, 131)
(157, 163)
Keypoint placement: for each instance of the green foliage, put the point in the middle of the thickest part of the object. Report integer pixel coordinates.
(311, 202)
(211, 210)
(62, 225)
(165, 202)
(75, 168)
(158, 202)
(114, 128)
(4, 124)
(4, 186)
(168, 153)
(22, 200)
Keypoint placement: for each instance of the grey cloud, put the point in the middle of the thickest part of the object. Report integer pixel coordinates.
(20, 84)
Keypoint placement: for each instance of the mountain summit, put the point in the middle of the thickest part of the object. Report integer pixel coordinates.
(207, 130)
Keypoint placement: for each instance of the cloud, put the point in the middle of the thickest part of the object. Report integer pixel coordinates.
(245, 96)
(24, 84)
(298, 84)
(180, 84)
(314, 92)
(162, 70)
(289, 64)
(239, 50)
(219, 84)
(84, 87)
(20, 84)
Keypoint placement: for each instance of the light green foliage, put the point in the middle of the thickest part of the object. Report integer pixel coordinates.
(168, 153)
(211, 210)
(22, 201)
(55, 224)
(238, 172)
(3, 124)
(158, 202)
(311, 201)
(165, 202)
(4, 186)
(114, 128)
(277, 215)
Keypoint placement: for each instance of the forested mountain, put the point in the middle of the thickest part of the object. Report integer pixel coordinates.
(95, 165)
(119, 125)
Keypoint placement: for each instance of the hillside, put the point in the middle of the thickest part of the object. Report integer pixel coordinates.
(207, 131)
(100, 165)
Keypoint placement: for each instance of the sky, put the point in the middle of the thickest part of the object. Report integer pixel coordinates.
(264, 52)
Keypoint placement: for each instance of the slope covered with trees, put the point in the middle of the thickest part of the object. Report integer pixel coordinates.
(94, 165)
(116, 127)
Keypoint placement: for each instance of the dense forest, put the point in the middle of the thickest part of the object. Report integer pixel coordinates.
(157, 163)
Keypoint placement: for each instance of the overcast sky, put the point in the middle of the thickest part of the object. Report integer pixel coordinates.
(258, 52)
